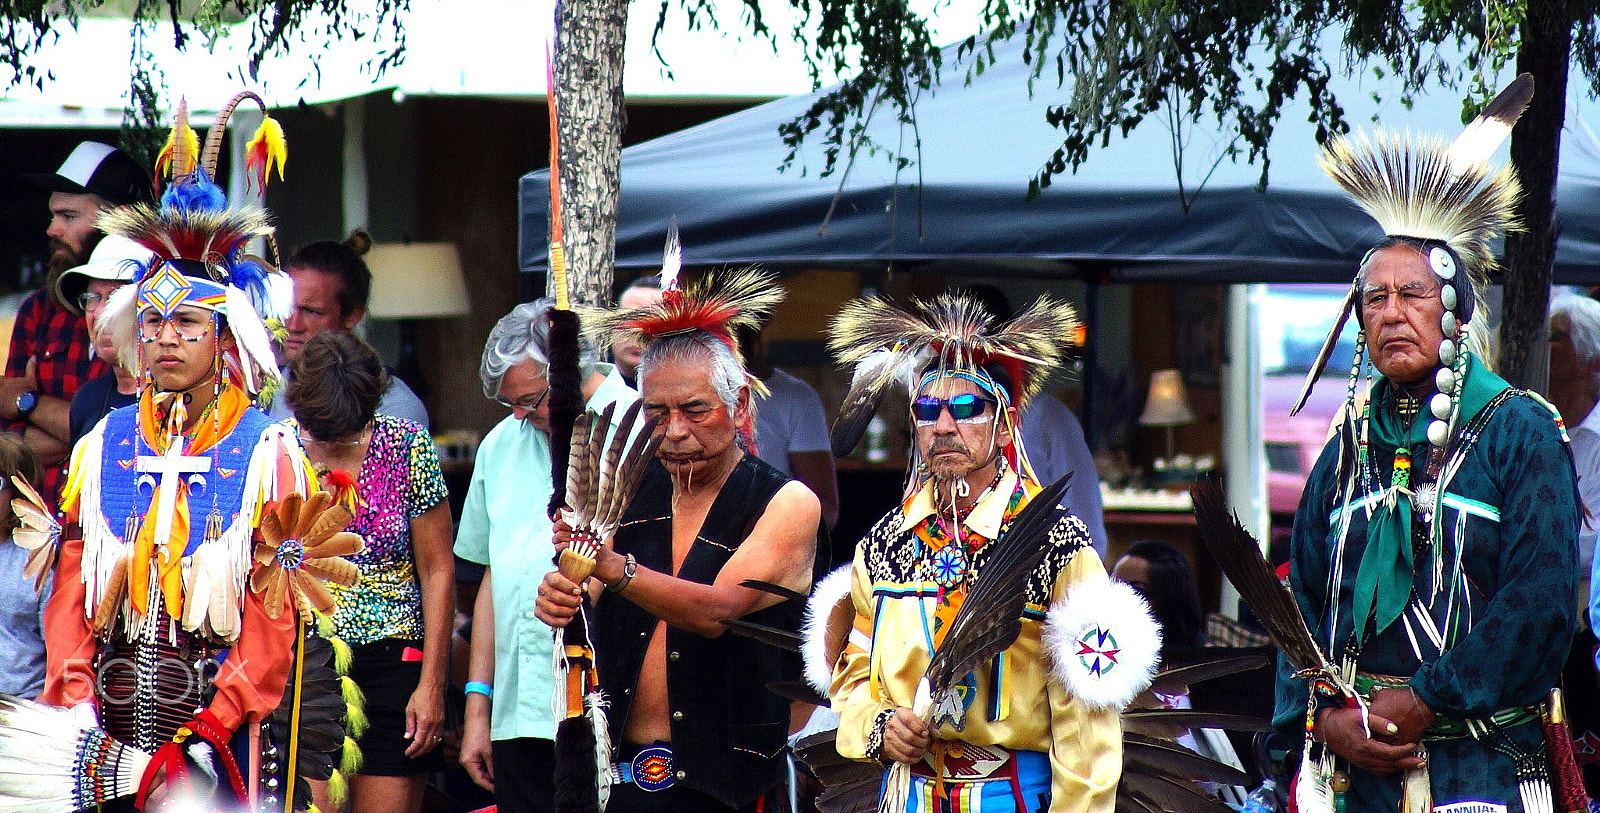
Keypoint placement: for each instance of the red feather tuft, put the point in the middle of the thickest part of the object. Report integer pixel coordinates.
(678, 314)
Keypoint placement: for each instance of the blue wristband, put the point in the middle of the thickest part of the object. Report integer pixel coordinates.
(479, 687)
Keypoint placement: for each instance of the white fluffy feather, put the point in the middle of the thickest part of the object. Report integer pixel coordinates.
(1311, 788)
(120, 317)
(833, 588)
(39, 759)
(595, 706)
(1117, 621)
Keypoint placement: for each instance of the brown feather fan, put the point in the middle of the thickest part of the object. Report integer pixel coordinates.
(1239, 555)
(37, 531)
(602, 475)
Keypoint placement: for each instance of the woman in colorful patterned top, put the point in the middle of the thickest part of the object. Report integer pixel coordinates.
(397, 618)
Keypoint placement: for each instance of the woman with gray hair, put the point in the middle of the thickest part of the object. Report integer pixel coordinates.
(504, 527)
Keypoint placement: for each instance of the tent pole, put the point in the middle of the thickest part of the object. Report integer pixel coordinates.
(1243, 455)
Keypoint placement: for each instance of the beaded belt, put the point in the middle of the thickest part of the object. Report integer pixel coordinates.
(962, 761)
(1449, 728)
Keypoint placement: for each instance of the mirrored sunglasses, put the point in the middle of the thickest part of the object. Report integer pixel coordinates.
(963, 407)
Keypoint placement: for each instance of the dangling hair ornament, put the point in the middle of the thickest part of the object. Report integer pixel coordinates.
(951, 333)
(342, 485)
(200, 243)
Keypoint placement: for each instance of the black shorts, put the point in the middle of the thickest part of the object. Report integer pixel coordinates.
(388, 682)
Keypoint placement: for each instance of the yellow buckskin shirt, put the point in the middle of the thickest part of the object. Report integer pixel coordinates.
(900, 609)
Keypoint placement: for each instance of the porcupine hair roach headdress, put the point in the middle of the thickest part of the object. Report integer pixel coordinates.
(1447, 202)
(200, 242)
(952, 334)
(707, 311)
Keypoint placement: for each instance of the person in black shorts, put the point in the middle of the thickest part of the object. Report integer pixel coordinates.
(398, 618)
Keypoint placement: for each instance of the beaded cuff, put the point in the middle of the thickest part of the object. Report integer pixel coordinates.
(875, 736)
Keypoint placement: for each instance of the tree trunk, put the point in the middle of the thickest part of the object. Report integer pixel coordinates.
(588, 73)
(1535, 152)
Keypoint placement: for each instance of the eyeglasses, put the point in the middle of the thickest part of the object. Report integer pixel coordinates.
(188, 328)
(523, 402)
(89, 299)
(964, 407)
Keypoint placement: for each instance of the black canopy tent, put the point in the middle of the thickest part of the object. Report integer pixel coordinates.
(964, 198)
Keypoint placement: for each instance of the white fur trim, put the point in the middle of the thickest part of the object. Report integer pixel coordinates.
(1120, 642)
(834, 588)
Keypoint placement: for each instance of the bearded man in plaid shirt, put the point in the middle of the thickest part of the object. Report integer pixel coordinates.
(50, 354)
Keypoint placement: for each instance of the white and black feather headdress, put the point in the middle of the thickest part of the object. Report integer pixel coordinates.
(1446, 200)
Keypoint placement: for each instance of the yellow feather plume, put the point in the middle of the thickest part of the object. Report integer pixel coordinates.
(267, 150)
(178, 157)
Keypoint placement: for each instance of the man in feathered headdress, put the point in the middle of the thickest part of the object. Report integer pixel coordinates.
(188, 557)
(1434, 551)
(1015, 735)
(692, 724)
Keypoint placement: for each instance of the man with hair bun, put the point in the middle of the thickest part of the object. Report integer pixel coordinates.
(331, 287)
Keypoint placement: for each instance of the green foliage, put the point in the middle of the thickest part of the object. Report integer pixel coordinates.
(274, 25)
(1119, 62)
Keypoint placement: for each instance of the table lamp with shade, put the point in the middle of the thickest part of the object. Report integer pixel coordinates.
(412, 281)
(1167, 405)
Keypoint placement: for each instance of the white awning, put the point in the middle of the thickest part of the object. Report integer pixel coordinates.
(492, 48)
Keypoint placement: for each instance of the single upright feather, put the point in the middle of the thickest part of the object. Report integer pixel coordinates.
(178, 157)
(671, 258)
(1328, 343)
(1478, 142)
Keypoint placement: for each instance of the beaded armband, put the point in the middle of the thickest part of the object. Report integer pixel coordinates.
(875, 736)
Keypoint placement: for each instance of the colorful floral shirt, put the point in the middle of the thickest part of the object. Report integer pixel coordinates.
(400, 479)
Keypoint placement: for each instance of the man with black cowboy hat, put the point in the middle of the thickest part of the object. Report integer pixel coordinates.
(50, 354)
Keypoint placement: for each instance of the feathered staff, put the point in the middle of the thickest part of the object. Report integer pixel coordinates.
(1239, 555)
(565, 375)
(603, 473)
(581, 785)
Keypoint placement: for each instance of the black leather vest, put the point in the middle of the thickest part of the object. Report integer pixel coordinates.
(728, 730)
